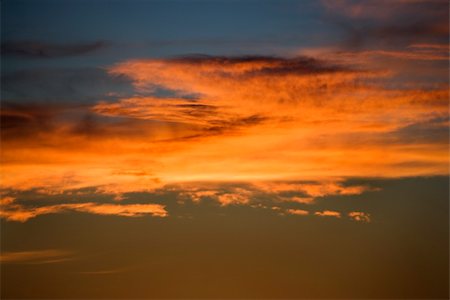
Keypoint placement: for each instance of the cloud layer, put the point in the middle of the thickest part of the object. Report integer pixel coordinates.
(251, 118)
(291, 127)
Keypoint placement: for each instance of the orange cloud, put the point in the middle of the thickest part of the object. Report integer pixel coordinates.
(298, 212)
(248, 192)
(197, 192)
(411, 55)
(6, 200)
(238, 119)
(303, 200)
(161, 109)
(127, 210)
(312, 189)
(21, 213)
(238, 198)
(443, 47)
(328, 213)
(197, 196)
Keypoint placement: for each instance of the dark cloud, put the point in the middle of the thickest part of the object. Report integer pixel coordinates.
(63, 84)
(35, 123)
(389, 23)
(223, 127)
(395, 34)
(197, 110)
(26, 120)
(232, 124)
(430, 132)
(88, 125)
(239, 122)
(36, 49)
(434, 130)
(269, 65)
(22, 120)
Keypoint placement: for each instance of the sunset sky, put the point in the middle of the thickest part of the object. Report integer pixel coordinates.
(224, 149)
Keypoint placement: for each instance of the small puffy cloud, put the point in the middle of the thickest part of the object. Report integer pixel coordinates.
(198, 195)
(359, 216)
(236, 198)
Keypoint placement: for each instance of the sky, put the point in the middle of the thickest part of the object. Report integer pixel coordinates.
(224, 149)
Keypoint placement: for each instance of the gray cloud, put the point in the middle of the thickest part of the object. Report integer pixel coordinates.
(37, 49)
(63, 84)
(272, 65)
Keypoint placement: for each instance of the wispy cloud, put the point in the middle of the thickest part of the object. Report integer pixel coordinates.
(312, 189)
(22, 213)
(36, 256)
(389, 23)
(377, 9)
(278, 191)
(106, 271)
(223, 195)
(298, 212)
(38, 49)
(376, 58)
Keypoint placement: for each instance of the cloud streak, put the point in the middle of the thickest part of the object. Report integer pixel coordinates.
(37, 49)
(298, 212)
(328, 213)
(34, 257)
(22, 213)
(388, 23)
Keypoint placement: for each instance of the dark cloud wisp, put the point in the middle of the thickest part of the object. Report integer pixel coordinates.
(37, 49)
